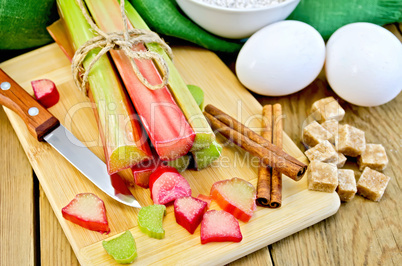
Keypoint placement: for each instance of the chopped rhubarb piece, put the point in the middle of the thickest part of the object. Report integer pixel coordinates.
(206, 156)
(220, 226)
(236, 196)
(88, 211)
(142, 172)
(45, 92)
(120, 187)
(189, 211)
(180, 163)
(167, 185)
(150, 220)
(198, 94)
(207, 199)
(122, 248)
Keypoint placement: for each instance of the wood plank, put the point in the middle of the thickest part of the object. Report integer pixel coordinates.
(17, 210)
(260, 257)
(362, 232)
(54, 246)
(222, 88)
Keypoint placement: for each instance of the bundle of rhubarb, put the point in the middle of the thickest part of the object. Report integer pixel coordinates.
(175, 128)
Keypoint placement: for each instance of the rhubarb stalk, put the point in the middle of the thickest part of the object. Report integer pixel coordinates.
(118, 125)
(204, 134)
(163, 120)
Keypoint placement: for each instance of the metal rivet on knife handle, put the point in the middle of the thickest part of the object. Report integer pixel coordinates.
(38, 120)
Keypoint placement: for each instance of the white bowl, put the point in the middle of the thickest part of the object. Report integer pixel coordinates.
(235, 23)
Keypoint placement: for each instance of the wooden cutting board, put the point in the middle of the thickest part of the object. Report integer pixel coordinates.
(61, 181)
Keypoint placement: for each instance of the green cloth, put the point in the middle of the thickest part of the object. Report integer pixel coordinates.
(23, 23)
(329, 15)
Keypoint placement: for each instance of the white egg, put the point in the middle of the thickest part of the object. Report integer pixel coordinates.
(281, 58)
(364, 64)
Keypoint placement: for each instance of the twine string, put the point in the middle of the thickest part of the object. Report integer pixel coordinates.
(123, 40)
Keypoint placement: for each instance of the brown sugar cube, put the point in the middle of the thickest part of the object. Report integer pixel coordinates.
(372, 184)
(327, 108)
(332, 127)
(324, 152)
(346, 184)
(322, 176)
(341, 160)
(351, 141)
(314, 133)
(374, 156)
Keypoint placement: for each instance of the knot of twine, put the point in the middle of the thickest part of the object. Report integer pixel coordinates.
(124, 41)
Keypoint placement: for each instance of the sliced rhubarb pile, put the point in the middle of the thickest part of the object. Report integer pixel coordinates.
(150, 220)
(167, 185)
(88, 211)
(207, 199)
(188, 212)
(45, 92)
(236, 196)
(220, 226)
(122, 248)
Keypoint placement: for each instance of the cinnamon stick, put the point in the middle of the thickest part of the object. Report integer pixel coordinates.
(276, 176)
(264, 172)
(236, 125)
(279, 159)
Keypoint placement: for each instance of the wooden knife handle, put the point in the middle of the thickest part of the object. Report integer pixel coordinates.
(38, 120)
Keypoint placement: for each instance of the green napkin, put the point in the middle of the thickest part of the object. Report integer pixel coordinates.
(329, 15)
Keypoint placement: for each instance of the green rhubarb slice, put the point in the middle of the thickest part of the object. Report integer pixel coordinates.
(150, 220)
(204, 134)
(180, 163)
(198, 94)
(121, 248)
(206, 156)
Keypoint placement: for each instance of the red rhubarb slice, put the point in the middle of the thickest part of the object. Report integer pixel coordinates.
(167, 185)
(207, 199)
(45, 92)
(88, 211)
(142, 172)
(236, 196)
(188, 212)
(220, 226)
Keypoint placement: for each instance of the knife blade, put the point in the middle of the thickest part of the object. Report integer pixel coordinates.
(45, 127)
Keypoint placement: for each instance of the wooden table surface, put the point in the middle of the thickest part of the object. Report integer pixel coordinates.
(362, 232)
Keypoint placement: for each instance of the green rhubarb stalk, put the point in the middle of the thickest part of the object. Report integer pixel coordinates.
(118, 125)
(206, 156)
(204, 134)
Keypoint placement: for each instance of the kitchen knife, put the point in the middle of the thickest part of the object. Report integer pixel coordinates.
(45, 127)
